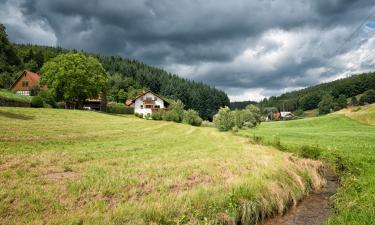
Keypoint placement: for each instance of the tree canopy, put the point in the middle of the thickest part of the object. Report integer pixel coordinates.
(74, 77)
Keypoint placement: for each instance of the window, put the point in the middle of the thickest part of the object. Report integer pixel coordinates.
(25, 93)
(155, 98)
(25, 83)
(141, 106)
(148, 106)
(157, 106)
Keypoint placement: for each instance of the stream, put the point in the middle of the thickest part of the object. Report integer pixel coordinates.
(313, 210)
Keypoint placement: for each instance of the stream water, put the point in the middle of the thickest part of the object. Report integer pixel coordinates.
(313, 210)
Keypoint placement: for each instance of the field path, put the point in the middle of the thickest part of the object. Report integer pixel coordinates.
(314, 210)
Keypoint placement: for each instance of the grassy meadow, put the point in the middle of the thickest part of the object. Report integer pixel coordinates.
(347, 139)
(80, 167)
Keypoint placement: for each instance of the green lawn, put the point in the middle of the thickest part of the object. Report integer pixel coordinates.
(346, 139)
(80, 167)
(11, 95)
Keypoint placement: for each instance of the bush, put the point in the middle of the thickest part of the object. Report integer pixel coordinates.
(37, 102)
(298, 112)
(192, 117)
(207, 123)
(48, 98)
(118, 108)
(140, 115)
(368, 97)
(157, 115)
(171, 116)
(176, 111)
(224, 120)
(147, 116)
(60, 105)
(235, 129)
(310, 152)
(11, 99)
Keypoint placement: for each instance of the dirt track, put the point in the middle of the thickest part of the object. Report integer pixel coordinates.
(313, 210)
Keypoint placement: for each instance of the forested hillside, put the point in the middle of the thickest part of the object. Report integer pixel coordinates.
(310, 97)
(242, 105)
(127, 77)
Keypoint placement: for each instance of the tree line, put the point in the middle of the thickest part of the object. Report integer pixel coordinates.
(332, 94)
(126, 78)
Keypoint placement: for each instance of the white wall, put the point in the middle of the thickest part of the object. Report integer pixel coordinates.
(138, 102)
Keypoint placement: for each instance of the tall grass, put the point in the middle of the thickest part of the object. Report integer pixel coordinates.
(348, 144)
(79, 167)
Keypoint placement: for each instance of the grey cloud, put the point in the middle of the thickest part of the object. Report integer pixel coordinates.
(209, 37)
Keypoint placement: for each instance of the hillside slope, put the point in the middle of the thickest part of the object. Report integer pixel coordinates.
(364, 114)
(79, 167)
(348, 144)
(309, 98)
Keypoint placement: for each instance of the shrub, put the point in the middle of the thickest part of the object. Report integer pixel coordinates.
(48, 98)
(247, 118)
(140, 115)
(256, 113)
(207, 123)
(60, 105)
(171, 116)
(37, 102)
(235, 129)
(176, 111)
(192, 117)
(354, 101)
(299, 112)
(157, 115)
(310, 152)
(147, 116)
(118, 108)
(8, 98)
(224, 119)
(367, 97)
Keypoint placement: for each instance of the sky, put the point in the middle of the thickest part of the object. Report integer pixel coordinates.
(251, 49)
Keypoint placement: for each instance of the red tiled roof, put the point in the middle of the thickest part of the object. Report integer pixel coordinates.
(33, 76)
(129, 102)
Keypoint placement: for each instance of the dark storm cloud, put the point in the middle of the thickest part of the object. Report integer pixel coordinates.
(239, 45)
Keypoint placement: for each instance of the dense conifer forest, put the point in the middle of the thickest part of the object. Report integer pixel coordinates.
(127, 78)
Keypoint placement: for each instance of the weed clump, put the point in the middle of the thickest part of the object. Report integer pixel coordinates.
(311, 152)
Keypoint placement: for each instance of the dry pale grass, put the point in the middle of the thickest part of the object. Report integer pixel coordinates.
(363, 114)
(74, 167)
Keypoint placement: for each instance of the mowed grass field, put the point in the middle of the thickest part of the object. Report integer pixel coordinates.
(348, 140)
(79, 167)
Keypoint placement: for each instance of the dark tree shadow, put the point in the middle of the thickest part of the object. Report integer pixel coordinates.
(15, 116)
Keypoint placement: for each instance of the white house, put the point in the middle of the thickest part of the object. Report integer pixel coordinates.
(147, 103)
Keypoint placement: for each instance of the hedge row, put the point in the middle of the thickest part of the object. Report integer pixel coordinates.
(8, 98)
(117, 108)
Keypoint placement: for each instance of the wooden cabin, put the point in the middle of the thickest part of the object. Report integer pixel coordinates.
(25, 83)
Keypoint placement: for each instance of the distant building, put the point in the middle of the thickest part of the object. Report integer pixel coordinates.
(28, 80)
(147, 103)
(25, 83)
(286, 114)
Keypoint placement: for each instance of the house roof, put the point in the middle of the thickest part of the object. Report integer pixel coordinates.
(129, 102)
(33, 76)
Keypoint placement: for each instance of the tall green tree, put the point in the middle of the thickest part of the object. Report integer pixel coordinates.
(341, 102)
(326, 105)
(9, 61)
(74, 77)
